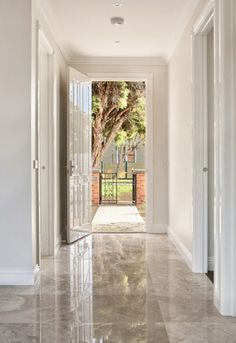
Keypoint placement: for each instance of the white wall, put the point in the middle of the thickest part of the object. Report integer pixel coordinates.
(180, 138)
(18, 244)
(160, 127)
(15, 141)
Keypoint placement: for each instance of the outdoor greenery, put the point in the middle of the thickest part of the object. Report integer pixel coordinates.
(122, 189)
(118, 116)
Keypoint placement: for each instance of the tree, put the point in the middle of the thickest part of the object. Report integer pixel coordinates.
(132, 133)
(114, 103)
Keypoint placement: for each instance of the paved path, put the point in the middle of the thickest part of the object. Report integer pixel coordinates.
(118, 219)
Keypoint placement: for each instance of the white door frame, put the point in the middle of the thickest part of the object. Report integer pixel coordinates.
(43, 40)
(224, 155)
(148, 78)
(200, 134)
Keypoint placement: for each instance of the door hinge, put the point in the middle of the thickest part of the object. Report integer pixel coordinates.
(35, 164)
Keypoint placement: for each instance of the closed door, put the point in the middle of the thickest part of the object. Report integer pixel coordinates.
(79, 156)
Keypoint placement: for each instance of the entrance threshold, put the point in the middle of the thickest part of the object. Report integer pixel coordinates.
(118, 219)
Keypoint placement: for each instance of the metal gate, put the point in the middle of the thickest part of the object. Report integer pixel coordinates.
(114, 190)
(108, 188)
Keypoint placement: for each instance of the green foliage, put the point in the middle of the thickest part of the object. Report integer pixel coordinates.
(118, 115)
(96, 104)
(133, 130)
(124, 93)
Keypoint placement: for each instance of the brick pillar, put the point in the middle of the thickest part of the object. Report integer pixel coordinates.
(95, 187)
(140, 187)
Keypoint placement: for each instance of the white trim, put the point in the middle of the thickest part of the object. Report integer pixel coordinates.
(44, 41)
(200, 158)
(58, 244)
(183, 22)
(225, 160)
(185, 253)
(127, 61)
(206, 20)
(148, 77)
(49, 21)
(19, 278)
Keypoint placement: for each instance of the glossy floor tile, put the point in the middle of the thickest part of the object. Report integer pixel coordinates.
(107, 288)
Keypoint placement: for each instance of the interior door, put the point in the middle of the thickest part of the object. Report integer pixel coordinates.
(79, 156)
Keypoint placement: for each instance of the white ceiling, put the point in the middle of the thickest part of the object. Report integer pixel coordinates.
(151, 28)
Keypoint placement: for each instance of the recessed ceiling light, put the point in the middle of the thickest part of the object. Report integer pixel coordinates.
(117, 41)
(117, 21)
(117, 4)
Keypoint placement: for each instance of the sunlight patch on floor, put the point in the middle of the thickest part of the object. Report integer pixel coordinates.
(118, 219)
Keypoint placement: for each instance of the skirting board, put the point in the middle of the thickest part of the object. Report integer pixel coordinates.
(180, 247)
(58, 245)
(19, 278)
(155, 228)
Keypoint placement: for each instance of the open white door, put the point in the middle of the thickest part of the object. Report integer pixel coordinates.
(79, 156)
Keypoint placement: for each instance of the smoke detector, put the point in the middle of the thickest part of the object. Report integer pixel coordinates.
(117, 4)
(117, 21)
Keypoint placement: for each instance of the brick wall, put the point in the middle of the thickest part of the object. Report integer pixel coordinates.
(95, 188)
(140, 187)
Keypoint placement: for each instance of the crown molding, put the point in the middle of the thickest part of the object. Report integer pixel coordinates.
(138, 61)
(145, 61)
(183, 22)
(51, 26)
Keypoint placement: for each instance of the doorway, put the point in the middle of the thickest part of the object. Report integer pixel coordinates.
(45, 148)
(75, 109)
(210, 151)
(204, 145)
(118, 154)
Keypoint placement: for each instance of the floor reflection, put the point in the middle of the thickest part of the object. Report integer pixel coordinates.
(124, 288)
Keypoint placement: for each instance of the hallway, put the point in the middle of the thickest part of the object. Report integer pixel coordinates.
(114, 289)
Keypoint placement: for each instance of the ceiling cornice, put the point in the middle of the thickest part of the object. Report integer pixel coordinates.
(138, 61)
(49, 21)
(183, 22)
(154, 61)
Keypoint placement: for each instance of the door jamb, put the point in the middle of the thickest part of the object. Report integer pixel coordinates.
(42, 38)
(148, 78)
(200, 222)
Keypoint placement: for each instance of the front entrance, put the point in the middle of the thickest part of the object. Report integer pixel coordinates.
(119, 156)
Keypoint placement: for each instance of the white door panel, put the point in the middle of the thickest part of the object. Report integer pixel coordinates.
(43, 127)
(79, 156)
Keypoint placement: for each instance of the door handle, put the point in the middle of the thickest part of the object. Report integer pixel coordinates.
(71, 168)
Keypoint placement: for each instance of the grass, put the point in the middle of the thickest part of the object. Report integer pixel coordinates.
(123, 189)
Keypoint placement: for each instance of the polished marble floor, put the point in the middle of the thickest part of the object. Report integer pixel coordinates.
(107, 288)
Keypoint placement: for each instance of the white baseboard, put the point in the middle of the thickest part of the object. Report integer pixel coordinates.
(58, 245)
(185, 253)
(211, 263)
(19, 278)
(156, 228)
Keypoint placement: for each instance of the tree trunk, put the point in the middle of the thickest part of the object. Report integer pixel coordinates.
(101, 143)
(121, 151)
